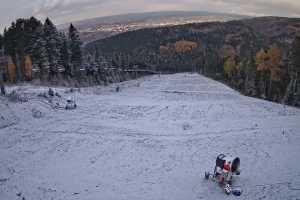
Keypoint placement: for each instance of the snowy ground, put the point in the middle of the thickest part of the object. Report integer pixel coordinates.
(151, 141)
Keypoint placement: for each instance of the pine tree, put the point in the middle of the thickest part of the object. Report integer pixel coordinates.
(52, 46)
(10, 40)
(64, 60)
(75, 51)
(22, 38)
(39, 53)
(32, 27)
(18, 41)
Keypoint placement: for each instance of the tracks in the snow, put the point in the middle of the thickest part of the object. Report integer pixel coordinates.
(115, 132)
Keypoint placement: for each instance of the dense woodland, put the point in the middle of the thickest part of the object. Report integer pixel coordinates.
(260, 57)
(40, 51)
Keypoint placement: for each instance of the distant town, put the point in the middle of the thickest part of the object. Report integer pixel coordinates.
(91, 32)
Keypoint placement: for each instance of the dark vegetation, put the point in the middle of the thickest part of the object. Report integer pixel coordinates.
(259, 57)
(39, 51)
(32, 50)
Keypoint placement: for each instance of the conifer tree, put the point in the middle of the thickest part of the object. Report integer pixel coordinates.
(39, 53)
(52, 46)
(64, 60)
(19, 34)
(10, 40)
(75, 51)
(32, 28)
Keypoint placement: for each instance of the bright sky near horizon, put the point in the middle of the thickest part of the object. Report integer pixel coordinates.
(63, 11)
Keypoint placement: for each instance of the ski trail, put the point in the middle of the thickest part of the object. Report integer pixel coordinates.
(152, 140)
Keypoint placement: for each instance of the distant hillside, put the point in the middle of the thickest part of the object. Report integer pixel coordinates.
(251, 55)
(102, 27)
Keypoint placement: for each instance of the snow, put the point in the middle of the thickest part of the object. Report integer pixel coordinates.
(152, 140)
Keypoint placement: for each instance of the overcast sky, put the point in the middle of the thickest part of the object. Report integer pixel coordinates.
(62, 11)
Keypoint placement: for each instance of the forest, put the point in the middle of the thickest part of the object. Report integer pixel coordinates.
(36, 50)
(259, 57)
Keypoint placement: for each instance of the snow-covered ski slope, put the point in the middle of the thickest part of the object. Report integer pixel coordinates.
(151, 141)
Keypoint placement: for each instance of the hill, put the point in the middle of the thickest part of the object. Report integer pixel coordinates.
(102, 27)
(230, 51)
(152, 140)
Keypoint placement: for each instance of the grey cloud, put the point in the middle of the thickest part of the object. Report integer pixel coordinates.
(270, 7)
(62, 11)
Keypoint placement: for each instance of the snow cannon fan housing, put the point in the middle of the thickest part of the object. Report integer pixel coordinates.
(234, 163)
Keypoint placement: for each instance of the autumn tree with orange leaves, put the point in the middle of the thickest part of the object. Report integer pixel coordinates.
(230, 64)
(268, 67)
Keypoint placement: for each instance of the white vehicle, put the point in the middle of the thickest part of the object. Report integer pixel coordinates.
(224, 170)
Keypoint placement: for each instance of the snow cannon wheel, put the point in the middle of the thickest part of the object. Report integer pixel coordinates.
(227, 189)
(206, 175)
(237, 191)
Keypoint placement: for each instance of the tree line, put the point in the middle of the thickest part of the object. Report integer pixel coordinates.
(271, 74)
(49, 52)
(250, 55)
(258, 57)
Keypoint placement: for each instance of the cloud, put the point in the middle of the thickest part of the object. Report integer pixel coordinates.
(60, 7)
(270, 7)
(64, 8)
(61, 11)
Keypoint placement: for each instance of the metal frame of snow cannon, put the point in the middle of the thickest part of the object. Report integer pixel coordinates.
(223, 173)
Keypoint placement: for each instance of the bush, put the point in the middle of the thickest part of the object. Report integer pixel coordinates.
(15, 97)
(36, 113)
